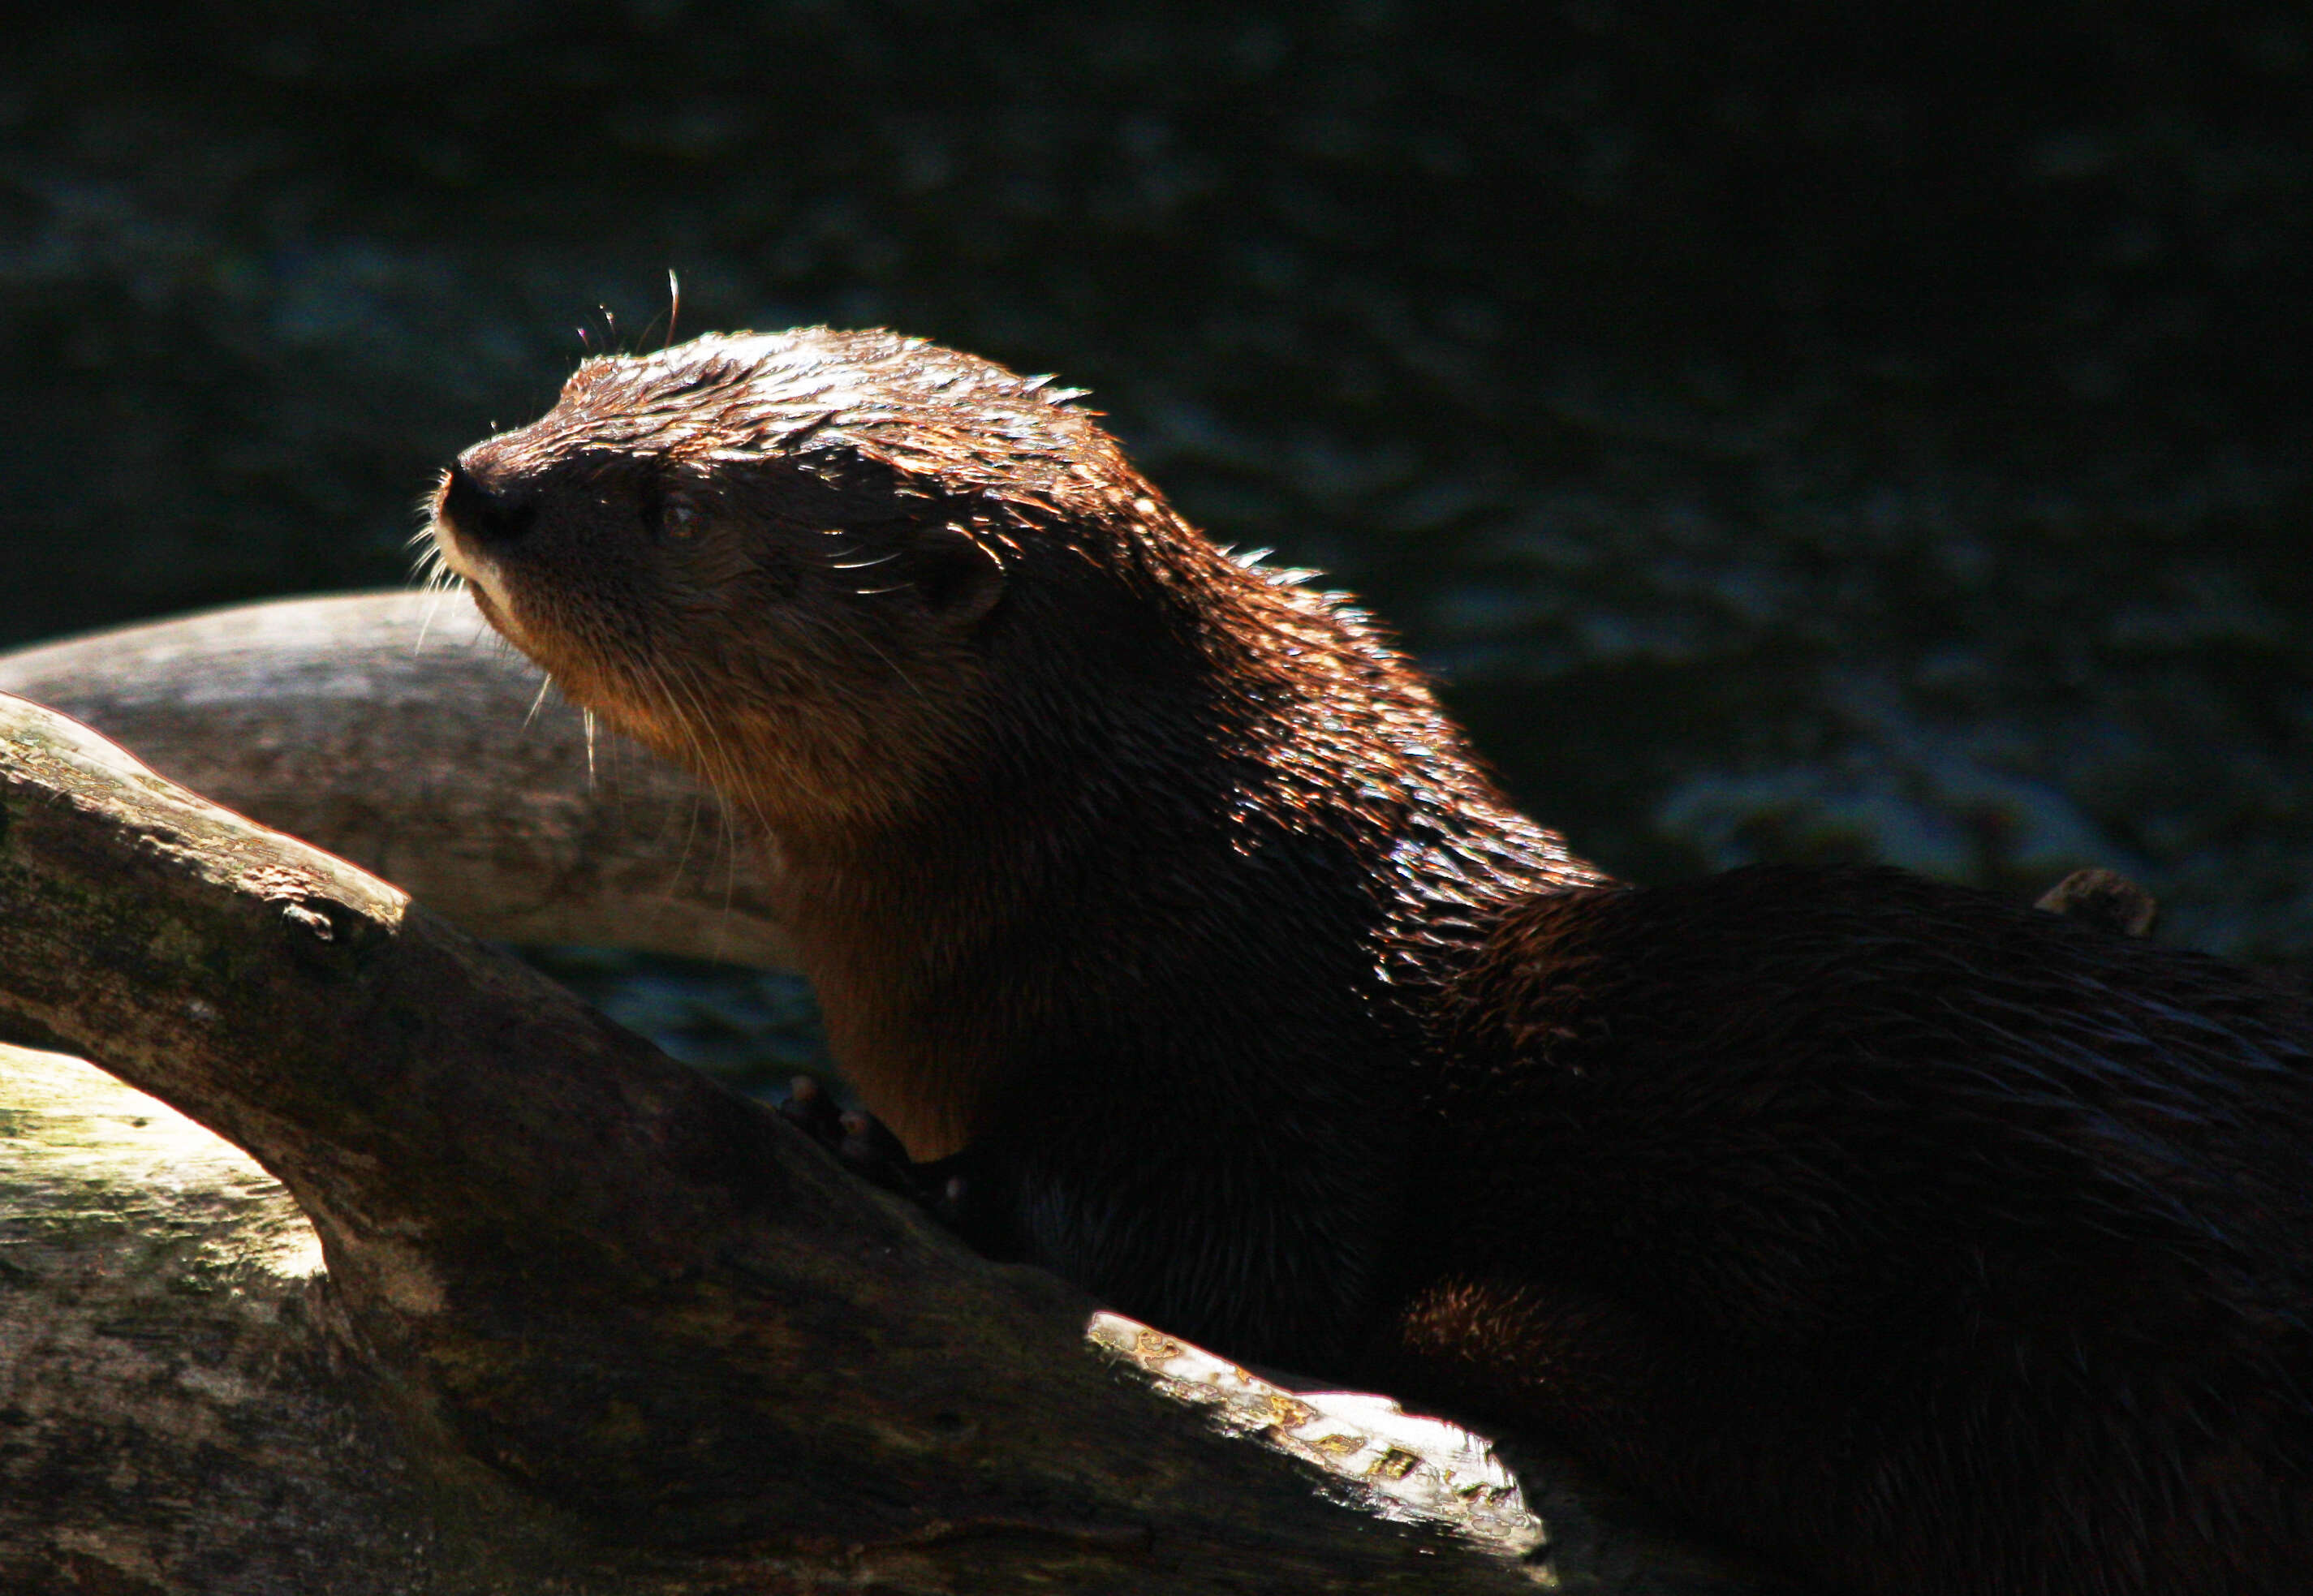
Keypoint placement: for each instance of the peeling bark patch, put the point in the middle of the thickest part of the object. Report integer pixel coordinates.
(1407, 1467)
(297, 893)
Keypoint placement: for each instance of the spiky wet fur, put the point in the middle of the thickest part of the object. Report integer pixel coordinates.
(1926, 1240)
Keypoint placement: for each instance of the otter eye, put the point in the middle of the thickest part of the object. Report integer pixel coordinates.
(679, 520)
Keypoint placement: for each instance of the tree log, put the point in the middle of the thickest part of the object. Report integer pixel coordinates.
(568, 1315)
(396, 731)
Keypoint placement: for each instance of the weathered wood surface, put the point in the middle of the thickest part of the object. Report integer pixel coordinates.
(395, 729)
(587, 1321)
(171, 1416)
(178, 1419)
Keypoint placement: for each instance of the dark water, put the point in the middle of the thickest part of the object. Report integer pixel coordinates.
(755, 1028)
(1796, 430)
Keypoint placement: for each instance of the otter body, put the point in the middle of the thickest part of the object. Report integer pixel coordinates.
(1933, 1243)
(1941, 1243)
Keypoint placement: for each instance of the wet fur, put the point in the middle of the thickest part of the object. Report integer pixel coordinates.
(1935, 1243)
(1947, 1244)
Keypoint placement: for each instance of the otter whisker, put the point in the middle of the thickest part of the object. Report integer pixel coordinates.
(437, 591)
(676, 686)
(893, 665)
(690, 830)
(435, 577)
(538, 703)
(692, 695)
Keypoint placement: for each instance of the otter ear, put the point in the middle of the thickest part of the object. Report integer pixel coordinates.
(959, 578)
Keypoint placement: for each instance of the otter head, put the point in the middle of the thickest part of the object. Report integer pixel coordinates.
(778, 559)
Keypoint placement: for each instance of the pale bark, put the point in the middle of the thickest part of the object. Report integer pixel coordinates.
(396, 731)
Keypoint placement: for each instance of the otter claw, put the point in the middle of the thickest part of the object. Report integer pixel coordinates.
(808, 1108)
(860, 1142)
(870, 1148)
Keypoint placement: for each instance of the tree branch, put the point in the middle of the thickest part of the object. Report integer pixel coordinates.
(589, 1322)
(591, 1288)
(394, 729)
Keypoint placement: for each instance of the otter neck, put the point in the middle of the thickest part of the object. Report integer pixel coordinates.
(1237, 863)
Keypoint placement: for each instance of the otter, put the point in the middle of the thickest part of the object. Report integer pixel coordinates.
(1927, 1242)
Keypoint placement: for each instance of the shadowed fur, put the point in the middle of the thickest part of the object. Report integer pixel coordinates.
(1934, 1243)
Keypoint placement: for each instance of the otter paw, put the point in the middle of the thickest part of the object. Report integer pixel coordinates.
(2104, 899)
(956, 1191)
(860, 1142)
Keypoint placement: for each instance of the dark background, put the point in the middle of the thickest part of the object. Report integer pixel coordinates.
(1795, 430)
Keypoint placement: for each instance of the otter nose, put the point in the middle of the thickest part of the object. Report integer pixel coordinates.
(484, 517)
